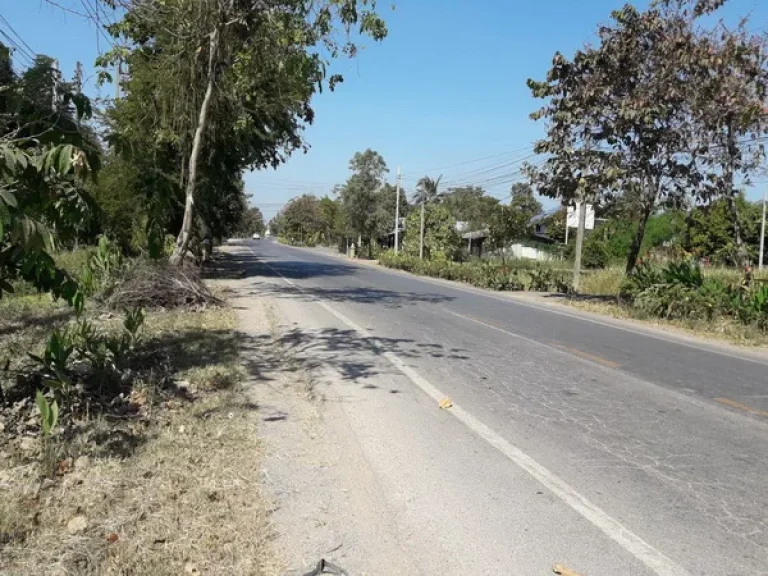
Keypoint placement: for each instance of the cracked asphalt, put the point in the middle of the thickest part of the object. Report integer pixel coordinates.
(634, 422)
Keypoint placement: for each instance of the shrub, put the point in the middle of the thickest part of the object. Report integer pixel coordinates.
(595, 254)
(680, 290)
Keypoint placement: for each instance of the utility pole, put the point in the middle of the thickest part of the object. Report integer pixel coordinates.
(397, 212)
(55, 76)
(118, 74)
(421, 233)
(762, 232)
(582, 206)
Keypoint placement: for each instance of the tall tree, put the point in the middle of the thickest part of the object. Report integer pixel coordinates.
(632, 92)
(470, 204)
(729, 111)
(301, 218)
(45, 161)
(237, 69)
(360, 194)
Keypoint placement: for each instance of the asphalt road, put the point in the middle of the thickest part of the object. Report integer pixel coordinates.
(665, 437)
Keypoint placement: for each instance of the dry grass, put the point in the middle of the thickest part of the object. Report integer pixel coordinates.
(723, 329)
(189, 499)
(183, 498)
(602, 282)
(607, 282)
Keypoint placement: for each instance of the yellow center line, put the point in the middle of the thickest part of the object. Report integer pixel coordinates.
(587, 356)
(740, 406)
(553, 346)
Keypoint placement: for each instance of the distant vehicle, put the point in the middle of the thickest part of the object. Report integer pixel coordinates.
(256, 236)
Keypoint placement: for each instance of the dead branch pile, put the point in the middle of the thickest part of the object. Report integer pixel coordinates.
(160, 285)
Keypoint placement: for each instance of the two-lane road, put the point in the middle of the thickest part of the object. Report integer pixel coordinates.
(666, 436)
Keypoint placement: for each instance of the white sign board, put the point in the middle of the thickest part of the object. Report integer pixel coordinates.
(572, 221)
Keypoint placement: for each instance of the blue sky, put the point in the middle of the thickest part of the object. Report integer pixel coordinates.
(446, 87)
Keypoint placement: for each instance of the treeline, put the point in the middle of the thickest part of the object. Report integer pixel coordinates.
(362, 211)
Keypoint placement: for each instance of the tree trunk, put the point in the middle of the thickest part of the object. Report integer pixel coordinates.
(637, 240)
(182, 242)
(742, 257)
(421, 231)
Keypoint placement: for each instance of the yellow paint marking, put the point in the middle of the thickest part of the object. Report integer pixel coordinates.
(587, 356)
(740, 406)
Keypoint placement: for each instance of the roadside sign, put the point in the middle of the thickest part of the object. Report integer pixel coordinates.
(572, 221)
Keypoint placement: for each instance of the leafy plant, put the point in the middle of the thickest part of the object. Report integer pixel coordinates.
(49, 413)
(685, 273)
(55, 359)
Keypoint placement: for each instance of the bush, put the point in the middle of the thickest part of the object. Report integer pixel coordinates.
(494, 275)
(680, 290)
(595, 254)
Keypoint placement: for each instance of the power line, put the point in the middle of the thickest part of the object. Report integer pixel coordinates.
(93, 15)
(464, 163)
(29, 51)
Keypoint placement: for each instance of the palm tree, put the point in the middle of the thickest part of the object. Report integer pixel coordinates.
(427, 190)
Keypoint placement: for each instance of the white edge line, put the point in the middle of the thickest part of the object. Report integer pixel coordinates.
(623, 536)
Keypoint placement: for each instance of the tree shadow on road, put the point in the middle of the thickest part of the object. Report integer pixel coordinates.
(356, 295)
(354, 357)
(230, 265)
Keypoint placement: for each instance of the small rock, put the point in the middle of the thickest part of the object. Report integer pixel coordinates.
(2, 427)
(190, 568)
(32, 421)
(19, 406)
(47, 483)
(182, 429)
(28, 444)
(77, 525)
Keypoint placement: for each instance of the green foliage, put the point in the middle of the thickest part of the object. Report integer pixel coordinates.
(49, 413)
(46, 158)
(595, 254)
(624, 116)
(301, 220)
(709, 231)
(490, 274)
(680, 290)
(441, 240)
(216, 88)
(470, 204)
(55, 360)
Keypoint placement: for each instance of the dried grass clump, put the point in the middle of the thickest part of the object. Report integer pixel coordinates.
(160, 285)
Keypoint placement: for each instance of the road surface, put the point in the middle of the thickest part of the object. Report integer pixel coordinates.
(620, 451)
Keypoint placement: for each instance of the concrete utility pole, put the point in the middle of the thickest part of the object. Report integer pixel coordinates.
(55, 76)
(582, 222)
(397, 212)
(579, 241)
(118, 75)
(762, 232)
(421, 233)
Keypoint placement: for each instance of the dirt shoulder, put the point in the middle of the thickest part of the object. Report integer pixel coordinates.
(163, 481)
